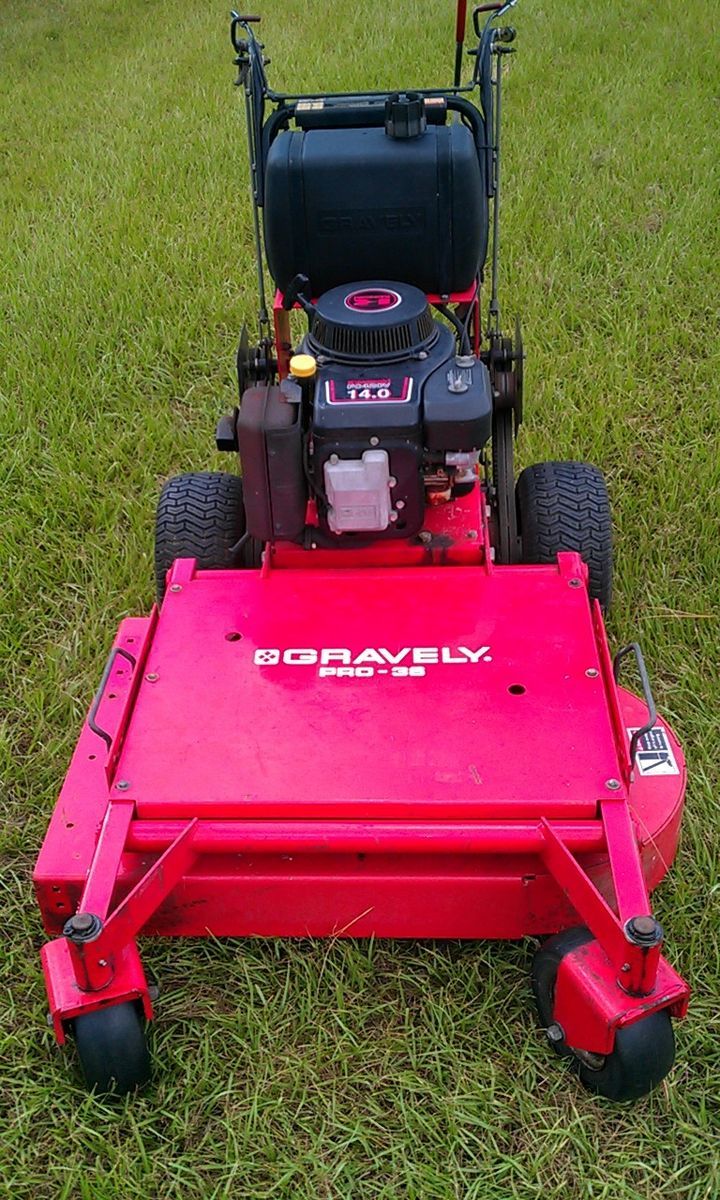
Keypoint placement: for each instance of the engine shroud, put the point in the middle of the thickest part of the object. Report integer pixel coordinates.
(388, 380)
(374, 320)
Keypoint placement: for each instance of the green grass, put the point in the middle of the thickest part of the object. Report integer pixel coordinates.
(345, 1070)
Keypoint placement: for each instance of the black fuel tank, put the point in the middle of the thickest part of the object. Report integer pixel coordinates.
(343, 204)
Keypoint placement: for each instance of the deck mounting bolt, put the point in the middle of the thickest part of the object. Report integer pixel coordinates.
(175, 587)
(575, 582)
(152, 677)
(555, 1033)
(613, 785)
(123, 785)
(592, 672)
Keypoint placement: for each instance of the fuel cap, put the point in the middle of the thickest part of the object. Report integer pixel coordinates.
(303, 366)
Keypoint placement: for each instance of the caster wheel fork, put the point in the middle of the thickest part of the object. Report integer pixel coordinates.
(643, 1052)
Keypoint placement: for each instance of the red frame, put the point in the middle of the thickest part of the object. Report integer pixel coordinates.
(158, 857)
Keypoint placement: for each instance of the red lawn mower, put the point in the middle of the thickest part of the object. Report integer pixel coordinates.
(375, 697)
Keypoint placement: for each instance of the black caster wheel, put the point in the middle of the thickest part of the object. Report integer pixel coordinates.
(643, 1053)
(113, 1049)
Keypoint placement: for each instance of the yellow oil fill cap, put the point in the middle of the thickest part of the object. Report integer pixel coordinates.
(303, 366)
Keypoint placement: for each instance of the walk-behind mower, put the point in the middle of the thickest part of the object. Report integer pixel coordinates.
(375, 697)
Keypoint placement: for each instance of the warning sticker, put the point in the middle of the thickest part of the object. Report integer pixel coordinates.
(654, 755)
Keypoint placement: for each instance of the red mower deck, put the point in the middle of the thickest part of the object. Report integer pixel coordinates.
(448, 759)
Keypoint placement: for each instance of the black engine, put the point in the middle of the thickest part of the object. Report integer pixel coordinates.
(381, 416)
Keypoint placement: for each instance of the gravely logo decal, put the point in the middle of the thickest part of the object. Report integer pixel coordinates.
(339, 661)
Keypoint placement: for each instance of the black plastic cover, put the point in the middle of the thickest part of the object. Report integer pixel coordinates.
(270, 441)
(346, 204)
(373, 320)
(458, 420)
(363, 405)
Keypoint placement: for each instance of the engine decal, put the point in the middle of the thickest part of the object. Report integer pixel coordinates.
(372, 300)
(369, 391)
(340, 662)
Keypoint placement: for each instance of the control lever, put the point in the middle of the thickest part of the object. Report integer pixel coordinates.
(297, 293)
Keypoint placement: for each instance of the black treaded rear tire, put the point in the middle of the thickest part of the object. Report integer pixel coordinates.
(113, 1049)
(565, 506)
(201, 515)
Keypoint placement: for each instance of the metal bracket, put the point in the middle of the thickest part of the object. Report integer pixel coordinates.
(95, 961)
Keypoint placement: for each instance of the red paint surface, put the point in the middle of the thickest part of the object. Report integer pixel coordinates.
(217, 735)
(400, 806)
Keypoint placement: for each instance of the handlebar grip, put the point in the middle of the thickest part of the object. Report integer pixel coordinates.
(235, 20)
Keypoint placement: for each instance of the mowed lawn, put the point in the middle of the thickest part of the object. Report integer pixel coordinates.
(341, 1070)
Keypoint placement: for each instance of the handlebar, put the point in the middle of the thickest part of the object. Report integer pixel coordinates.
(495, 8)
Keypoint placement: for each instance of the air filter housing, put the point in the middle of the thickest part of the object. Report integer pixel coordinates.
(373, 320)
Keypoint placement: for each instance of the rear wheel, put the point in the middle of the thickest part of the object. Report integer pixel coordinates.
(112, 1049)
(643, 1053)
(202, 516)
(565, 506)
